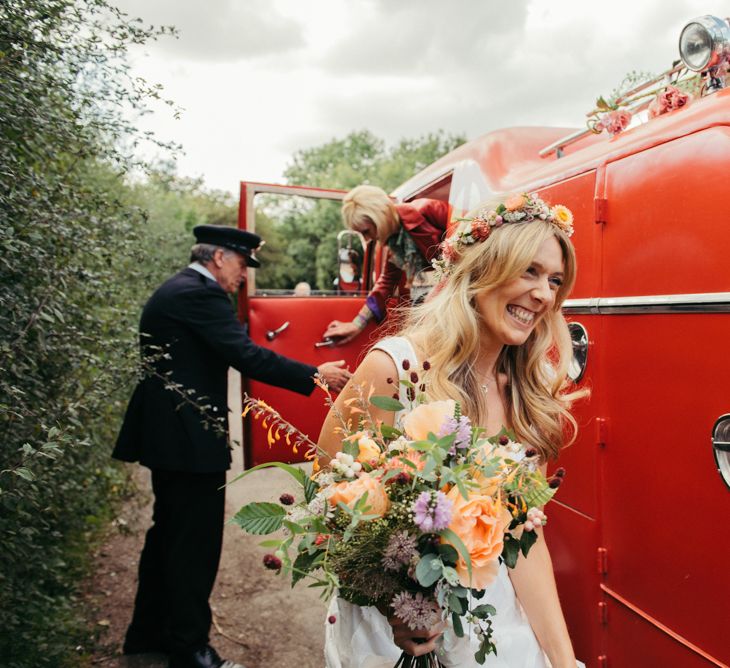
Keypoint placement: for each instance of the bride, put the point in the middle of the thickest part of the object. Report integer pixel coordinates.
(497, 343)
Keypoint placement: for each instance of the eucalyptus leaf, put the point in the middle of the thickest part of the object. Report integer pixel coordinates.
(387, 403)
(428, 570)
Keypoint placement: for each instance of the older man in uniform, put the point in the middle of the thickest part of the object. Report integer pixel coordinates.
(176, 424)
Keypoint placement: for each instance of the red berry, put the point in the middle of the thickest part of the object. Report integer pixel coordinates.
(426, 365)
(272, 562)
(331, 619)
(406, 365)
(389, 381)
(530, 452)
(414, 377)
(554, 483)
(560, 472)
(286, 499)
(503, 440)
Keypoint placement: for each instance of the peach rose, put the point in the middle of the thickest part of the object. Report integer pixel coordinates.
(428, 418)
(515, 202)
(349, 493)
(480, 522)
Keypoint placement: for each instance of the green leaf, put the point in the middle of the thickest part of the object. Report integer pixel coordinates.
(429, 570)
(450, 537)
(527, 540)
(483, 611)
(387, 403)
(260, 517)
(297, 473)
(351, 448)
(390, 433)
(510, 550)
(303, 564)
(456, 623)
(448, 554)
(538, 496)
(450, 575)
(24, 473)
(457, 603)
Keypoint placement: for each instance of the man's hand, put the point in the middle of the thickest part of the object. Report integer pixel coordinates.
(341, 332)
(335, 374)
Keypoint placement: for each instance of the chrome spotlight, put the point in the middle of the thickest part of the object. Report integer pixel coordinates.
(704, 45)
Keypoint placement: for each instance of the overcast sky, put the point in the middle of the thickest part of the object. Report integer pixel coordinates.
(258, 80)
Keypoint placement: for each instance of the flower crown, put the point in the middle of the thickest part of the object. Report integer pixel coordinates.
(524, 208)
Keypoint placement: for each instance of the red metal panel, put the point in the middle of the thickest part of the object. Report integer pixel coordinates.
(572, 539)
(644, 644)
(308, 318)
(667, 219)
(662, 493)
(577, 194)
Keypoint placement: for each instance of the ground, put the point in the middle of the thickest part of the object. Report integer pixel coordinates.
(259, 620)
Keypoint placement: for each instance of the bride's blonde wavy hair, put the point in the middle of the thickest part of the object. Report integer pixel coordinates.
(447, 330)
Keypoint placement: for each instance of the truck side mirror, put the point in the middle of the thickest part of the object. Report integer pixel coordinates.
(350, 253)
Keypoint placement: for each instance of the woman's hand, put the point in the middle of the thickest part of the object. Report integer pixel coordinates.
(415, 643)
(341, 332)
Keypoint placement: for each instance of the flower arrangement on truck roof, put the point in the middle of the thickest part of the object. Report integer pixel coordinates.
(413, 519)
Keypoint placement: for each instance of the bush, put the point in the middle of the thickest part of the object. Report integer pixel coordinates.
(69, 252)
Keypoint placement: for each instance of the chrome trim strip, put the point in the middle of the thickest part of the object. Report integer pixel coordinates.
(709, 302)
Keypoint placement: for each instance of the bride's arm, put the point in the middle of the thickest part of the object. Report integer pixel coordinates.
(534, 584)
(375, 370)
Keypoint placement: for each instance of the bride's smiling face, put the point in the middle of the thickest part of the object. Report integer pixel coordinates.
(511, 311)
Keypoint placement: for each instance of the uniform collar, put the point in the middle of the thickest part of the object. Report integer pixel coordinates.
(202, 270)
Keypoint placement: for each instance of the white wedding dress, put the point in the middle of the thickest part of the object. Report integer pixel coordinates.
(361, 637)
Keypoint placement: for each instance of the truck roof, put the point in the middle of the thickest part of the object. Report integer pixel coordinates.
(509, 159)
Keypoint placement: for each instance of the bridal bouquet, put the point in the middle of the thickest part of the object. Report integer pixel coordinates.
(414, 519)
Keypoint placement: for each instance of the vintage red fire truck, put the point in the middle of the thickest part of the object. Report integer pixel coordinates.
(639, 533)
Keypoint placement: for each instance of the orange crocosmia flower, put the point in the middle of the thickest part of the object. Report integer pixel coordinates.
(350, 491)
(415, 456)
(480, 522)
(428, 418)
(515, 202)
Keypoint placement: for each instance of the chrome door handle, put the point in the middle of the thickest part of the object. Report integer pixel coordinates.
(324, 344)
(273, 333)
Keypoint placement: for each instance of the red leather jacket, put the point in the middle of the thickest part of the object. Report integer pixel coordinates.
(425, 220)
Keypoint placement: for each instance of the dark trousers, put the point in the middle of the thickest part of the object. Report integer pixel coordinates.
(179, 562)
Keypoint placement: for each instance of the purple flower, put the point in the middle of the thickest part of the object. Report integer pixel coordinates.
(400, 551)
(415, 610)
(462, 429)
(432, 511)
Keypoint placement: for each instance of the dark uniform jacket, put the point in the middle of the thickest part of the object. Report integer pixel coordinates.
(189, 337)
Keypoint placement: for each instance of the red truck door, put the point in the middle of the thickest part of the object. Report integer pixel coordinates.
(293, 325)
(666, 327)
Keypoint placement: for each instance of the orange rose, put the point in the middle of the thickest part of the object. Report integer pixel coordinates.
(428, 418)
(349, 493)
(480, 522)
(515, 202)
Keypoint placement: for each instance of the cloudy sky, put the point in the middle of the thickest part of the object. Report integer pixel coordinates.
(258, 80)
